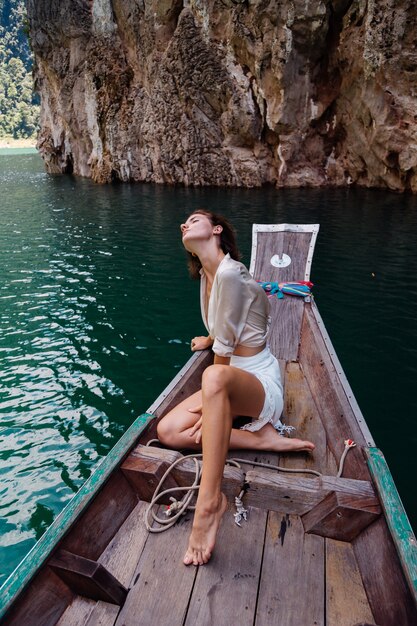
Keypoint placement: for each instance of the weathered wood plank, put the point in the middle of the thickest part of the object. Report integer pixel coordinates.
(301, 412)
(225, 591)
(122, 554)
(346, 601)
(144, 468)
(388, 593)
(292, 582)
(287, 313)
(162, 584)
(401, 531)
(297, 495)
(83, 612)
(341, 516)
(120, 558)
(182, 475)
(44, 602)
(87, 577)
(106, 514)
(336, 413)
(78, 612)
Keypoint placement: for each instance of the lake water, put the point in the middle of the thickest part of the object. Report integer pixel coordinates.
(97, 311)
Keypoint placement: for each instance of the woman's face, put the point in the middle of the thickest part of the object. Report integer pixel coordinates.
(197, 227)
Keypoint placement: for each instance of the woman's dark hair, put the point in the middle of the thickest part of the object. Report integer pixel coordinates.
(227, 241)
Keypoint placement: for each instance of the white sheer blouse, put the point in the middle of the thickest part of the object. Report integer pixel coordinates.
(238, 308)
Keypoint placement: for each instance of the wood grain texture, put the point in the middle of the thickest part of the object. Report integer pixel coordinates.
(78, 612)
(43, 603)
(105, 515)
(122, 554)
(225, 591)
(161, 584)
(397, 520)
(294, 494)
(292, 582)
(335, 411)
(301, 411)
(182, 475)
(341, 516)
(286, 313)
(87, 578)
(388, 593)
(346, 601)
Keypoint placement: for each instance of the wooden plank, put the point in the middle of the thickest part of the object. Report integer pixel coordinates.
(162, 584)
(336, 412)
(346, 601)
(341, 516)
(83, 612)
(286, 317)
(87, 578)
(122, 554)
(144, 468)
(18, 580)
(105, 515)
(78, 612)
(120, 558)
(387, 590)
(182, 475)
(292, 582)
(294, 494)
(225, 591)
(301, 412)
(286, 313)
(43, 604)
(397, 520)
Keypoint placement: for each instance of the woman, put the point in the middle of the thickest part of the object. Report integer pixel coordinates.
(244, 379)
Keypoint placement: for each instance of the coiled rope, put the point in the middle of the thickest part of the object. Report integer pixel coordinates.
(180, 507)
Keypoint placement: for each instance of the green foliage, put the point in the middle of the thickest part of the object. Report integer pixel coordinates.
(19, 107)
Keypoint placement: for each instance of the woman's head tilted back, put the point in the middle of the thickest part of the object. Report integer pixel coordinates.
(227, 240)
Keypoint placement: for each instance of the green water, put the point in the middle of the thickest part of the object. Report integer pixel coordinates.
(96, 314)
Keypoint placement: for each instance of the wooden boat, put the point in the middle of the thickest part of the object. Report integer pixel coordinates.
(315, 549)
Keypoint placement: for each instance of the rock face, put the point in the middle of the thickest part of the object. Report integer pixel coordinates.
(229, 92)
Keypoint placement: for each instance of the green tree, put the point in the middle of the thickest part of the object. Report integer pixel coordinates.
(19, 106)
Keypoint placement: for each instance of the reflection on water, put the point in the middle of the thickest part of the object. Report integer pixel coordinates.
(96, 313)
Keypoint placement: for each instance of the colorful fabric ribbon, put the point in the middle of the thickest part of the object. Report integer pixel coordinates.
(300, 288)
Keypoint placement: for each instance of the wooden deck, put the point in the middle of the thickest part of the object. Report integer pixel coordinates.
(267, 571)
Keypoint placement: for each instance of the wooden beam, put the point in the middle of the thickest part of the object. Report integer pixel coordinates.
(87, 578)
(341, 516)
(397, 520)
(138, 466)
(144, 468)
(297, 495)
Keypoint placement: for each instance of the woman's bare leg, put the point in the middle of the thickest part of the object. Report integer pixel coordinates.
(175, 428)
(226, 391)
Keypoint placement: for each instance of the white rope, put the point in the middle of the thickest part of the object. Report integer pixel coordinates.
(177, 508)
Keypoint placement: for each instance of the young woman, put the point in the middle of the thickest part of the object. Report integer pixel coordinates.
(244, 379)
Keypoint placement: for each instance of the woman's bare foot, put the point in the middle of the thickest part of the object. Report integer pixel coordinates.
(270, 439)
(203, 534)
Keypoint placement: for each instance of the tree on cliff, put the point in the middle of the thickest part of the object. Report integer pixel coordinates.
(19, 108)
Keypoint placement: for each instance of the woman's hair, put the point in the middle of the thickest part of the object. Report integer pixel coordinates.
(227, 241)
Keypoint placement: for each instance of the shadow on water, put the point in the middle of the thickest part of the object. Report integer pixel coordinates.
(97, 311)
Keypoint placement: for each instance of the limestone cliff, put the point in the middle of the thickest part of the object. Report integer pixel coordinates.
(229, 92)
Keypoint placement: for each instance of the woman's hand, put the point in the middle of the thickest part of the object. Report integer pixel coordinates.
(201, 343)
(197, 428)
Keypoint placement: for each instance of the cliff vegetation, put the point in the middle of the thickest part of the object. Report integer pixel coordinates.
(19, 108)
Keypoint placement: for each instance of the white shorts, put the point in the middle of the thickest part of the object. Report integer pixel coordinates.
(266, 369)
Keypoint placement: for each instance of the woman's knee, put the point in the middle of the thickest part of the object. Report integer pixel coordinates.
(215, 379)
(165, 432)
